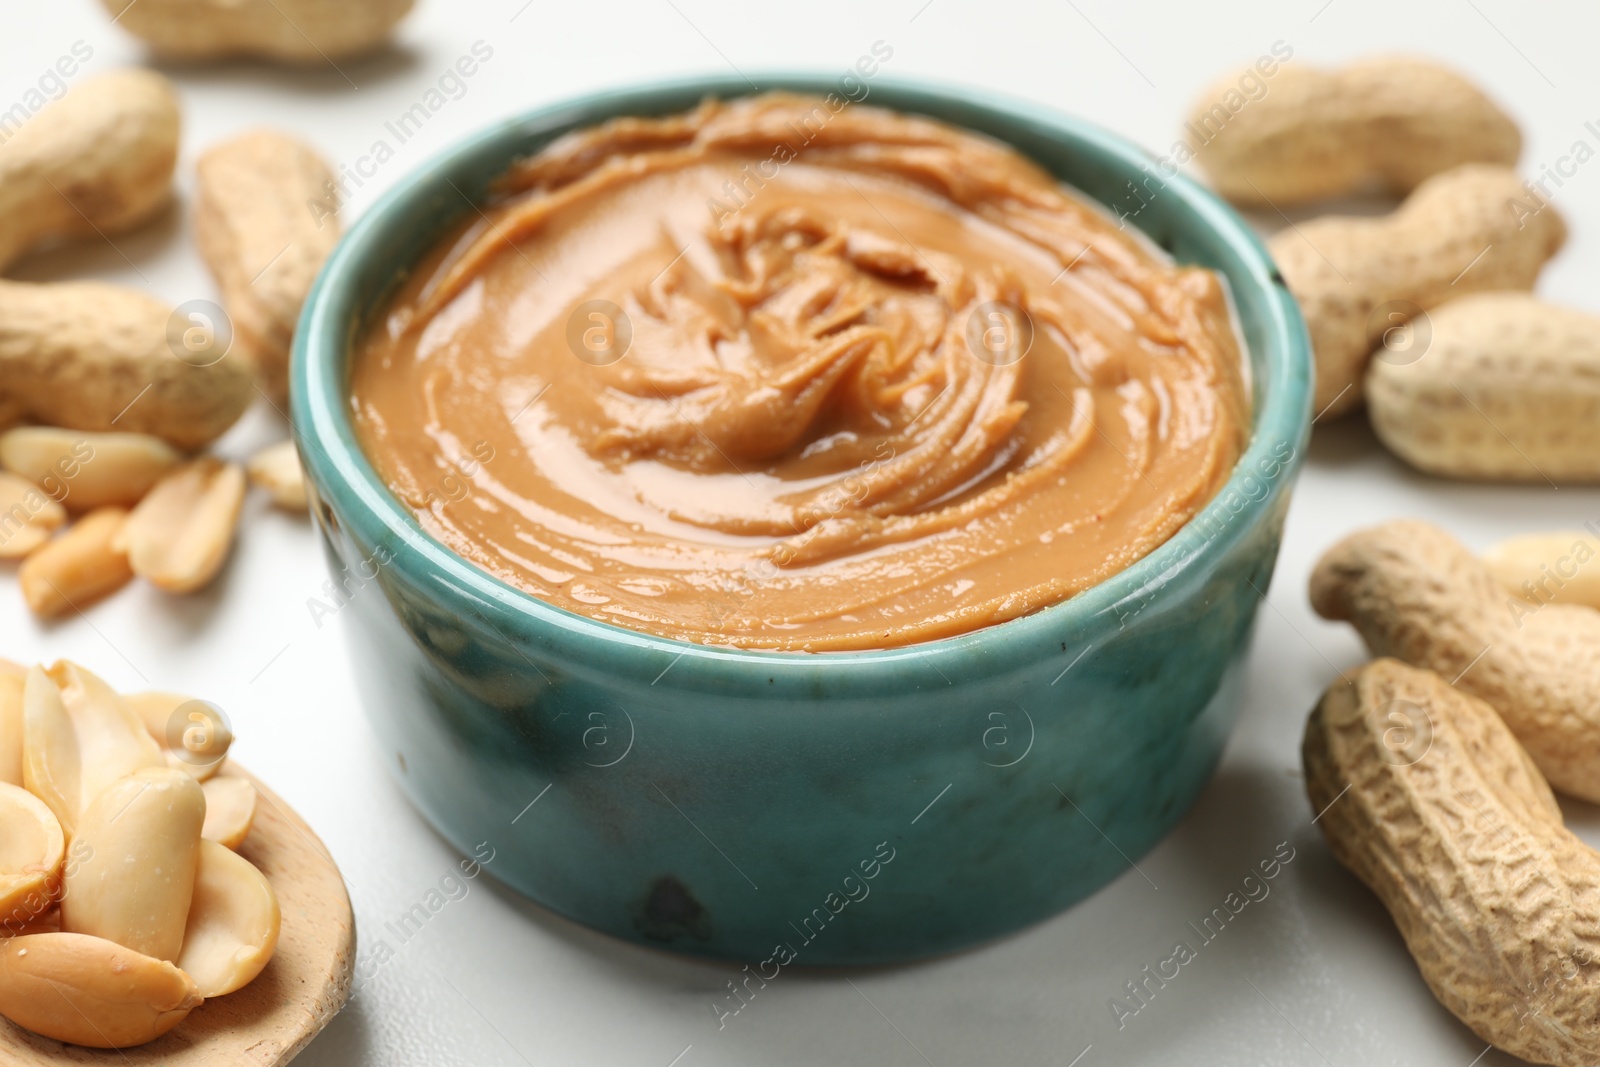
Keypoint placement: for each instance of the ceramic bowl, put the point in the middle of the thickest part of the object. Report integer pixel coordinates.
(791, 809)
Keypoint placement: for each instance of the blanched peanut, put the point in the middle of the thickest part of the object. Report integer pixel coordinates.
(89, 991)
(197, 742)
(77, 568)
(11, 727)
(233, 923)
(277, 470)
(141, 837)
(92, 469)
(78, 738)
(180, 534)
(1554, 568)
(31, 850)
(47, 923)
(230, 811)
(27, 516)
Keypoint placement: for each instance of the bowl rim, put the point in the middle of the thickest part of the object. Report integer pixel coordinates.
(339, 469)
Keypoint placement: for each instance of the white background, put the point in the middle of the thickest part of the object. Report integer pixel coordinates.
(1314, 974)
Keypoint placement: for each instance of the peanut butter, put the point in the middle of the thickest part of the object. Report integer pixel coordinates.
(780, 374)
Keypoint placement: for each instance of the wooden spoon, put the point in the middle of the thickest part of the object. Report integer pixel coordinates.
(269, 1021)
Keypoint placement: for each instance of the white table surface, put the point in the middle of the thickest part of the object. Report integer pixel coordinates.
(1314, 974)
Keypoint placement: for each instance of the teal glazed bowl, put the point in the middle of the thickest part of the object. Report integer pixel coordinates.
(781, 808)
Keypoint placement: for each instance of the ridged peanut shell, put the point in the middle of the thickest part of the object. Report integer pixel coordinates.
(1417, 594)
(95, 356)
(291, 31)
(262, 241)
(96, 162)
(1508, 389)
(1498, 903)
(1356, 279)
(1389, 120)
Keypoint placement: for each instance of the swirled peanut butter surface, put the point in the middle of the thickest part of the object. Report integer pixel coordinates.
(782, 375)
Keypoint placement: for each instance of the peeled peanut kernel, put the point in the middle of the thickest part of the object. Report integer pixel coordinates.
(77, 568)
(180, 534)
(230, 810)
(141, 839)
(96, 469)
(196, 742)
(1548, 568)
(31, 851)
(233, 923)
(277, 470)
(89, 991)
(27, 516)
(78, 737)
(11, 727)
(48, 922)
(14, 669)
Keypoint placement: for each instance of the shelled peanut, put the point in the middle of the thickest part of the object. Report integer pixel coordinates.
(122, 906)
(1549, 568)
(141, 509)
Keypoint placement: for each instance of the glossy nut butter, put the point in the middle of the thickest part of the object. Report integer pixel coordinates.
(778, 375)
